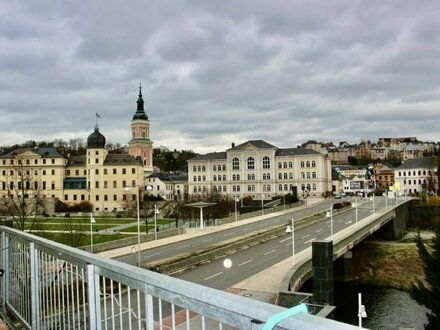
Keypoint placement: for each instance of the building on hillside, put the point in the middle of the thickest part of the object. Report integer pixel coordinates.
(356, 179)
(140, 144)
(260, 170)
(171, 186)
(383, 176)
(416, 176)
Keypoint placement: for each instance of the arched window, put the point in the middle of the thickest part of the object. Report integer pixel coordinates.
(224, 177)
(250, 163)
(313, 163)
(314, 175)
(249, 177)
(195, 178)
(285, 187)
(203, 168)
(280, 176)
(233, 188)
(204, 178)
(215, 188)
(280, 187)
(219, 178)
(195, 189)
(285, 165)
(264, 176)
(308, 175)
(195, 168)
(200, 178)
(285, 175)
(303, 176)
(290, 164)
(314, 186)
(238, 177)
(279, 165)
(268, 187)
(235, 164)
(307, 164)
(302, 163)
(215, 178)
(290, 175)
(214, 168)
(308, 186)
(224, 167)
(266, 162)
(268, 176)
(238, 188)
(249, 188)
(199, 168)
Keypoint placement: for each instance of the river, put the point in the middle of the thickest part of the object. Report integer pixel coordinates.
(386, 308)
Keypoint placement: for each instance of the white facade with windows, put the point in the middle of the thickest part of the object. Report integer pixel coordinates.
(260, 170)
(416, 176)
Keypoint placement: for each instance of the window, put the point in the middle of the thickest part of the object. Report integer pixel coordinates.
(219, 178)
(285, 165)
(115, 184)
(97, 171)
(249, 188)
(215, 188)
(280, 187)
(313, 163)
(199, 178)
(53, 172)
(290, 164)
(215, 178)
(124, 171)
(105, 197)
(235, 164)
(214, 168)
(302, 163)
(105, 171)
(250, 163)
(285, 187)
(199, 168)
(97, 184)
(238, 188)
(133, 170)
(314, 186)
(194, 169)
(264, 176)
(307, 164)
(266, 162)
(203, 168)
(303, 176)
(308, 175)
(280, 165)
(314, 175)
(238, 177)
(105, 184)
(285, 175)
(224, 167)
(280, 176)
(195, 178)
(290, 175)
(204, 178)
(114, 171)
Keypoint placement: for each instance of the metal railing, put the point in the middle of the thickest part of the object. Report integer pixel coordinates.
(47, 285)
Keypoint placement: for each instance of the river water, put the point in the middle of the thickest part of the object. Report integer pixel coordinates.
(386, 308)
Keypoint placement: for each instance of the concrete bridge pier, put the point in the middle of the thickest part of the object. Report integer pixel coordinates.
(322, 272)
(343, 268)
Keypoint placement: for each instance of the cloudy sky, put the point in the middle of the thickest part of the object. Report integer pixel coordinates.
(216, 72)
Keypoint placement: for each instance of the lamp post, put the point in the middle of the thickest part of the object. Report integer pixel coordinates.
(156, 211)
(284, 202)
(138, 222)
(236, 200)
(356, 207)
(291, 229)
(362, 313)
(329, 214)
(262, 205)
(92, 221)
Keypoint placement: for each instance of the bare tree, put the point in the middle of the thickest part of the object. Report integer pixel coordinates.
(23, 199)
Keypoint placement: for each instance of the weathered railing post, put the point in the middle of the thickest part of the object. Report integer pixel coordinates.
(4, 265)
(35, 287)
(93, 298)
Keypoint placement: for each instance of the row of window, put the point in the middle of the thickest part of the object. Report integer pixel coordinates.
(97, 198)
(12, 172)
(28, 161)
(414, 181)
(266, 163)
(252, 188)
(105, 171)
(419, 172)
(218, 167)
(251, 176)
(27, 185)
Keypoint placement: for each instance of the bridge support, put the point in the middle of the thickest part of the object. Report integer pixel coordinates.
(322, 264)
(343, 268)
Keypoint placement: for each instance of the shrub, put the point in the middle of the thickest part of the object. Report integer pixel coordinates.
(337, 206)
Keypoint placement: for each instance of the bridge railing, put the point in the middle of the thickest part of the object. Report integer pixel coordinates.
(46, 285)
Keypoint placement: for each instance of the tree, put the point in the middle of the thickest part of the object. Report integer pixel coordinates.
(23, 199)
(427, 291)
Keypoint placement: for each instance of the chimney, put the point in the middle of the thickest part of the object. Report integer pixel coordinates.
(232, 145)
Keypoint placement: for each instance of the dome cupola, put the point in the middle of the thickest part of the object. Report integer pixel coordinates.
(96, 140)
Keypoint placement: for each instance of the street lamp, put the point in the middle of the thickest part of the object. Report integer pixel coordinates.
(138, 222)
(262, 205)
(329, 214)
(156, 211)
(284, 202)
(291, 229)
(362, 313)
(356, 206)
(372, 199)
(92, 221)
(236, 200)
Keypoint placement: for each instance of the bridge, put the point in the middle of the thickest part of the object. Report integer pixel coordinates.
(46, 285)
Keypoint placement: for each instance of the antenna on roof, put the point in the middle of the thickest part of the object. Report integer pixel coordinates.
(96, 124)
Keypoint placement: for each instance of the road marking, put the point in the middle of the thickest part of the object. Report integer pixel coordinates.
(304, 237)
(209, 277)
(272, 251)
(328, 221)
(207, 240)
(349, 222)
(151, 255)
(319, 230)
(244, 263)
(283, 240)
(180, 247)
(288, 244)
(310, 240)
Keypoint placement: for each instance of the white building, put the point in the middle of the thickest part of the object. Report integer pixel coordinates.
(417, 175)
(260, 170)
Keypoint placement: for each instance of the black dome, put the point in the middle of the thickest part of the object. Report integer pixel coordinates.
(96, 140)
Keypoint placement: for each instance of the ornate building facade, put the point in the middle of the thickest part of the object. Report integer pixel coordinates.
(260, 170)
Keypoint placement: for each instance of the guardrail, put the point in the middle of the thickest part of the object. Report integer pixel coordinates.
(47, 285)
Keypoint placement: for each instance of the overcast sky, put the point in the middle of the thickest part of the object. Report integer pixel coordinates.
(216, 72)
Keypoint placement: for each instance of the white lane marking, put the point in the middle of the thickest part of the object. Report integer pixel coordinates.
(310, 240)
(244, 263)
(286, 239)
(349, 222)
(207, 240)
(151, 255)
(319, 230)
(272, 251)
(288, 244)
(308, 235)
(180, 247)
(209, 277)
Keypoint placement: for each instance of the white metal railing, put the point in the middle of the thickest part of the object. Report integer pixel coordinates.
(47, 285)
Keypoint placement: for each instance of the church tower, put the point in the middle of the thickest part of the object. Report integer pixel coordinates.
(140, 144)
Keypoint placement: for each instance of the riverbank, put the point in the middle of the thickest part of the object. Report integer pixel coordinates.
(388, 263)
